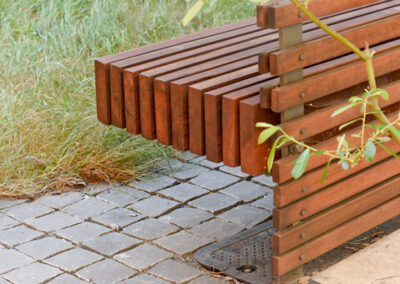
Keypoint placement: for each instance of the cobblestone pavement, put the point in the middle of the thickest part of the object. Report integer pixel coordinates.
(143, 232)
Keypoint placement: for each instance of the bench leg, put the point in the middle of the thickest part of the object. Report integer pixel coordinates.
(292, 276)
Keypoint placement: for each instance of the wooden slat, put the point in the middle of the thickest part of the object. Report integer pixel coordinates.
(250, 114)
(231, 150)
(102, 64)
(284, 13)
(162, 98)
(196, 104)
(171, 54)
(281, 169)
(262, 13)
(342, 22)
(335, 193)
(289, 238)
(213, 115)
(286, 262)
(332, 81)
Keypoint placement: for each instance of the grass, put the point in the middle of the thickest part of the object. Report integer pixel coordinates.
(49, 134)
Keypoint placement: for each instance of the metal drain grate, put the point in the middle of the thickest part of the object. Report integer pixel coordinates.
(245, 256)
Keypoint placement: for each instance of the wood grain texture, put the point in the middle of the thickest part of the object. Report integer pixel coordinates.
(286, 262)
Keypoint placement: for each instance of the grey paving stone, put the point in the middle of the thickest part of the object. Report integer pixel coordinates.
(216, 229)
(186, 217)
(206, 163)
(247, 191)
(7, 222)
(111, 243)
(182, 242)
(189, 171)
(143, 257)
(137, 193)
(264, 180)
(267, 202)
(154, 206)
(18, 235)
(236, 171)
(43, 248)
(118, 218)
(9, 203)
(61, 200)
(3, 281)
(144, 279)
(105, 272)
(207, 280)
(93, 190)
(183, 192)
(175, 271)
(187, 156)
(74, 259)
(119, 198)
(26, 211)
(14, 259)
(66, 279)
(150, 229)
(53, 221)
(88, 207)
(214, 180)
(215, 202)
(32, 273)
(154, 183)
(82, 232)
(170, 165)
(246, 216)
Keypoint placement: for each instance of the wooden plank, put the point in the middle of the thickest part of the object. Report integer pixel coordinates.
(332, 81)
(196, 104)
(170, 55)
(213, 115)
(231, 122)
(335, 193)
(179, 98)
(250, 114)
(289, 238)
(163, 66)
(161, 92)
(316, 51)
(342, 22)
(102, 64)
(286, 262)
(284, 13)
(262, 13)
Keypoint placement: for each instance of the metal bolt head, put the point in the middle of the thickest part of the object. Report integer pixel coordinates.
(302, 257)
(302, 95)
(304, 189)
(302, 235)
(303, 131)
(301, 14)
(303, 212)
(301, 57)
(299, 148)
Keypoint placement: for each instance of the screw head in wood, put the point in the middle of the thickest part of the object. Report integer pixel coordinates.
(304, 189)
(299, 148)
(302, 95)
(301, 57)
(302, 235)
(303, 131)
(301, 14)
(303, 212)
(302, 257)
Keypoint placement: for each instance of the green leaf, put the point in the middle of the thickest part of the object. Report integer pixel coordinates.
(325, 172)
(355, 100)
(387, 149)
(349, 123)
(320, 152)
(342, 109)
(271, 155)
(264, 125)
(376, 127)
(370, 151)
(284, 141)
(266, 134)
(301, 164)
(345, 165)
(395, 132)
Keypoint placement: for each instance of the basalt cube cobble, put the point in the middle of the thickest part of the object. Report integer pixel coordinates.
(120, 198)
(66, 279)
(188, 172)
(143, 256)
(207, 280)
(44, 248)
(144, 279)
(246, 216)
(118, 218)
(105, 272)
(112, 243)
(236, 171)
(154, 206)
(53, 221)
(82, 232)
(214, 180)
(74, 259)
(267, 202)
(206, 163)
(182, 242)
(216, 229)
(183, 192)
(26, 211)
(186, 217)
(33, 273)
(7, 222)
(88, 207)
(9, 203)
(264, 180)
(150, 229)
(12, 259)
(18, 235)
(215, 202)
(154, 184)
(60, 201)
(175, 271)
(246, 191)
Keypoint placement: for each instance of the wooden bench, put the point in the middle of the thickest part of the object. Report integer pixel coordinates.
(205, 92)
